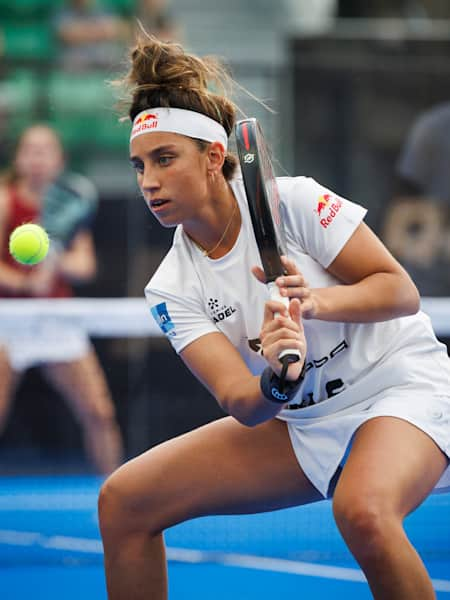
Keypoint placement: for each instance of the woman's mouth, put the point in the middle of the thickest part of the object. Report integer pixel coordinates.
(158, 203)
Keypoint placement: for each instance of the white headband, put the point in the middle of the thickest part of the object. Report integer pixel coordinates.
(179, 120)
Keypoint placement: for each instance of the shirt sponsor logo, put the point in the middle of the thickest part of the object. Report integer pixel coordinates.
(219, 312)
(327, 208)
(255, 345)
(331, 387)
(318, 363)
(163, 319)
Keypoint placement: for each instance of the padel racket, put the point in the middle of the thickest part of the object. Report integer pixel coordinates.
(69, 205)
(264, 204)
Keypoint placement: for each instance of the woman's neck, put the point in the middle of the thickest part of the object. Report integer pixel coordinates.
(218, 229)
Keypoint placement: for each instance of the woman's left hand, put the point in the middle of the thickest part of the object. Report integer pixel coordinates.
(292, 285)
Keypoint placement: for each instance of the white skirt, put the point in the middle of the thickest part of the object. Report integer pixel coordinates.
(47, 341)
(411, 381)
(320, 444)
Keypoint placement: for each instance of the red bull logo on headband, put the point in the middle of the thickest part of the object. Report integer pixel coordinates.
(144, 122)
(327, 208)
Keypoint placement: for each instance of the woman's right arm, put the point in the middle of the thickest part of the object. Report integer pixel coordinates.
(218, 365)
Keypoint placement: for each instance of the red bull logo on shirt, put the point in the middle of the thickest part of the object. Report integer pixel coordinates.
(322, 203)
(328, 207)
(147, 121)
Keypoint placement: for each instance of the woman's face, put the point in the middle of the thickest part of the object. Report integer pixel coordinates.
(39, 156)
(172, 174)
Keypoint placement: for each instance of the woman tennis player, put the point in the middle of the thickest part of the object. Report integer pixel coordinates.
(61, 350)
(365, 416)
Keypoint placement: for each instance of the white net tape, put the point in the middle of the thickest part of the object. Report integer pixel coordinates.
(99, 317)
(130, 317)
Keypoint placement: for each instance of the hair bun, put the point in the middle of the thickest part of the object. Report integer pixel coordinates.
(163, 74)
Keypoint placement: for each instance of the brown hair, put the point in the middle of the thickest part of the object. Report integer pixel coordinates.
(163, 74)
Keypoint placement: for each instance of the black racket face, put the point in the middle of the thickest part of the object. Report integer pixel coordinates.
(262, 196)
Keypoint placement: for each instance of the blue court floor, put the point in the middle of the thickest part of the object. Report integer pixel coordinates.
(50, 548)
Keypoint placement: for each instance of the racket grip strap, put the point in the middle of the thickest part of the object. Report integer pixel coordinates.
(276, 390)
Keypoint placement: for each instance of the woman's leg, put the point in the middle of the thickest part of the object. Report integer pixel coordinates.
(391, 469)
(220, 468)
(83, 385)
(9, 380)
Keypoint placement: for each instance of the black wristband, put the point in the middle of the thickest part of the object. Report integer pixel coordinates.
(276, 390)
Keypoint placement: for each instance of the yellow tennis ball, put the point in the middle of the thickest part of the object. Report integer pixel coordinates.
(29, 244)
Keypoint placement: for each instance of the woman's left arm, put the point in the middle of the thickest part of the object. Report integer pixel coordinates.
(375, 287)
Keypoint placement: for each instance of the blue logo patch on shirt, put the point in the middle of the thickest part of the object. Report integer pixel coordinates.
(162, 317)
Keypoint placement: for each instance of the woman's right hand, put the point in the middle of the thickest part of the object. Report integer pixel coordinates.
(282, 329)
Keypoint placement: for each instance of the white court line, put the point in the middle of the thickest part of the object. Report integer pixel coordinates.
(246, 561)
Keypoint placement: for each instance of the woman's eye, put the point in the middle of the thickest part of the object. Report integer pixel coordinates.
(138, 167)
(165, 160)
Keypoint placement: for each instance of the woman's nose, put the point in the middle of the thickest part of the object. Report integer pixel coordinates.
(150, 182)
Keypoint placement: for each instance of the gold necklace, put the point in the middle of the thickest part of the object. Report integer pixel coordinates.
(209, 252)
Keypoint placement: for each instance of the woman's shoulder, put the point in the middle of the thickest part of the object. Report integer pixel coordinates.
(176, 272)
(299, 184)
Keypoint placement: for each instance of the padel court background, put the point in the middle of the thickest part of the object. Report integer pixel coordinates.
(50, 548)
(345, 101)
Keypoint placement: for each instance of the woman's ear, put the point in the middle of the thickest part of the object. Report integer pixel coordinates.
(216, 157)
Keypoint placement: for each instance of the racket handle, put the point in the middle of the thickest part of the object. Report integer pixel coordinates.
(292, 355)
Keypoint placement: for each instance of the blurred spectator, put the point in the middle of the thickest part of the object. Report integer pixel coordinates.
(61, 350)
(417, 222)
(90, 36)
(158, 20)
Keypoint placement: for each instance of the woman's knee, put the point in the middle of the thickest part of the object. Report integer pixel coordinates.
(126, 506)
(365, 521)
(110, 504)
(118, 509)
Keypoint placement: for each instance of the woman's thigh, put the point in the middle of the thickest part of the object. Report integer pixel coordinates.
(392, 466)
(221, 468)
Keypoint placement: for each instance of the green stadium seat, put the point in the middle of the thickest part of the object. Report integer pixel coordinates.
(80, 92)
(27, 9)
(122, 7)
(81, 132)
(30, 41)
(81, 108)
(75, 130)
(19, 91)
(113, 136)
